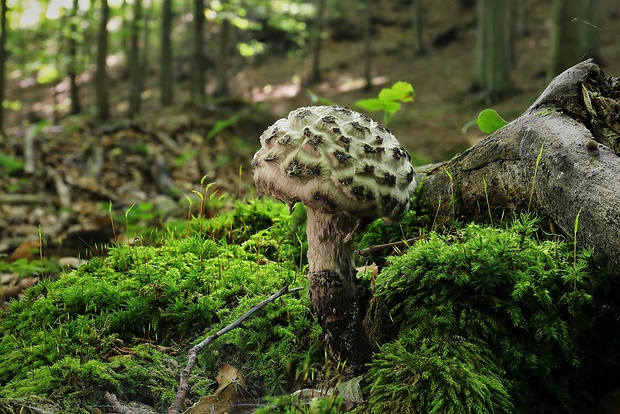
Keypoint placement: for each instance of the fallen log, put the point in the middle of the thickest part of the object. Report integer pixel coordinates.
(559, 159)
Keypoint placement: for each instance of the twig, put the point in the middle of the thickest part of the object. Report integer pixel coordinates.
(192, 356)
(379, 247)
(116, 406)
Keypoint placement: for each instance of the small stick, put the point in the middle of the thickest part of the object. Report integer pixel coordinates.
(193, 353)
(116, 406)
(379, 247)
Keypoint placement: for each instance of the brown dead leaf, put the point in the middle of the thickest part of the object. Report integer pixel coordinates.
(230, 382)
(27, 250)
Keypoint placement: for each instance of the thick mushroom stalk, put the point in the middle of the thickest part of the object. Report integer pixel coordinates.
(348, 170)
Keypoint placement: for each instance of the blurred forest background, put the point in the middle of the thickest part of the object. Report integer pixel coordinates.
(109, 104)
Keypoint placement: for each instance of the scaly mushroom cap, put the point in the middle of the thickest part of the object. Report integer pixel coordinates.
(334, 159)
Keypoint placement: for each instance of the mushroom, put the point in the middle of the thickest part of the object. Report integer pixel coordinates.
(348, 170)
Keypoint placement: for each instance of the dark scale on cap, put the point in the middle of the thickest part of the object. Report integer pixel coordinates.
(329, 119)
(315, 141)
(336, 130)
(303, 113)
(344, 140)
(369, 149)
(358, 191)
(284, 140)
(294, 168)
(390, 179)
(366, 118)
(313, 169)
(358, 127)
(346, 181)
(342, 110)
(307, 132)
(273, 135)
(378, 140)
(410, 176)
(341, 156)
(382, 128)
(396, 153)
(369, 168)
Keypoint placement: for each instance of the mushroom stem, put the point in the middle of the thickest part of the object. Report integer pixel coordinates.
(333, 291)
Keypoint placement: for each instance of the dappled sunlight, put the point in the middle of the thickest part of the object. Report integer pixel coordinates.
(283, 90)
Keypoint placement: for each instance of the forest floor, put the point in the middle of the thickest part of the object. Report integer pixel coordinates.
(83, 175)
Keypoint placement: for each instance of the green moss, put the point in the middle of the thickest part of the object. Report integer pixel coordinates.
(541, 319)
(75, 338)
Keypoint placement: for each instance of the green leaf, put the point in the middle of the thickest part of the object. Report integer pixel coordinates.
(373, 104)
(400, 91)
(490, 121)
(392, 107)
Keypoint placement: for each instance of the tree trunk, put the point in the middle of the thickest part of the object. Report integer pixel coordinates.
(419, 47)
(315, 76)
(197, 83)
(573, 34)
(135, 70)
(165, 63)
(493, 53)
(101, 81)
(222, 88)
(76, 108)
(3, 11)
(558, 159)
(367, 49)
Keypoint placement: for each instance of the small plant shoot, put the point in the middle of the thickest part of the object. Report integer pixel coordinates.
(490, 121)
(389, 100)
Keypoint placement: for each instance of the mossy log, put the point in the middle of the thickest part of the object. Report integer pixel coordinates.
(559, 159)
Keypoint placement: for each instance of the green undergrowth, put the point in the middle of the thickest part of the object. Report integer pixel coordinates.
(124, 323)
(494, 320)
(473, 319)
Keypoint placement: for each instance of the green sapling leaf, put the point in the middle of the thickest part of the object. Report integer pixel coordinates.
(490, 121)
(372, 104)
(400, 91)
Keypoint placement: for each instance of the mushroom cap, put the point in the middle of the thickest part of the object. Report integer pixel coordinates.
(334, 159)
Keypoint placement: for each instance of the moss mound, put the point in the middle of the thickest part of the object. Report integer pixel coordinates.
(124, 324)
(490, 320)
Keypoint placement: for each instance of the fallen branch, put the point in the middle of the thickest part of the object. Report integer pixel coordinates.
(559, 159)
(193, 353)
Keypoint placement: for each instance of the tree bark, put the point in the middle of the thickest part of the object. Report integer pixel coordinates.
(76, 108)
(135, 69)
(558, 159)
(367, 48)
(493, 50)
(573, 34)
(165, 59)
(222, 88)
(197, 83)
(315, 75)
(101, 80)
(419, 47)
(3, 33)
